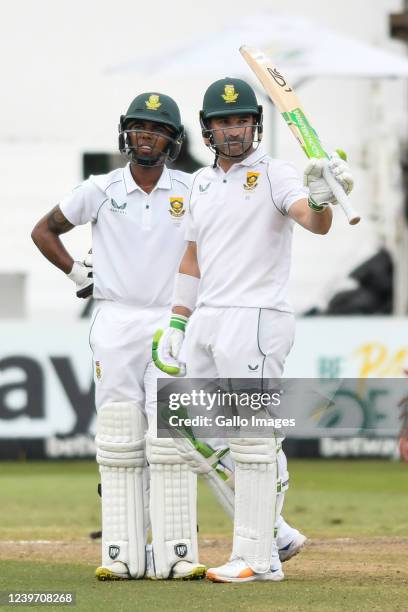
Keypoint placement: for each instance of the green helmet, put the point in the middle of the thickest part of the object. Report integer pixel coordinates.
(158, 108)
(229, 96)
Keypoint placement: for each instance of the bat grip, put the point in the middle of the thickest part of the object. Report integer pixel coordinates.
(341, 196)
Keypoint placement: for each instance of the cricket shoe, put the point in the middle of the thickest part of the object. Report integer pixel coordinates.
(294, 547)
(115, 571)
(238, 570)
(184, 570)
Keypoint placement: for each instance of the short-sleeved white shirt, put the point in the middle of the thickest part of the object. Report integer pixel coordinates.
(137, 238)
(240, 223)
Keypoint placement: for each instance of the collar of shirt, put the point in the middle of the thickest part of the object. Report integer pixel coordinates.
(164, 181)
(252, 159)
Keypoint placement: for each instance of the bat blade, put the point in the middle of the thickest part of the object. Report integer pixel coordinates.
(285, 99)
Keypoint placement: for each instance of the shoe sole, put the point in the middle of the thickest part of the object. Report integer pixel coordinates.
(102, 574)
(198, 573)
(256, 578)
(215, 578)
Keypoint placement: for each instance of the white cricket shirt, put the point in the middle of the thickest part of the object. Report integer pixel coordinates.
(240, 223)
(137, 238)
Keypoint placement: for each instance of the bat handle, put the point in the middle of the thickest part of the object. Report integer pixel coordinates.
(341, 196)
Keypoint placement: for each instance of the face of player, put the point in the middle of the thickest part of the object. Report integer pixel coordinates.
(233, 135)
(148, 139)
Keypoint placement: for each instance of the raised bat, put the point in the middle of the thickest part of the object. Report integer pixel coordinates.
(284, 98)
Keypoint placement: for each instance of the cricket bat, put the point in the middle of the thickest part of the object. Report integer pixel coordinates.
(284, 98)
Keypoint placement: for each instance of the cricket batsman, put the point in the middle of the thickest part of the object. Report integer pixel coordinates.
(137, 242)
(234, 278)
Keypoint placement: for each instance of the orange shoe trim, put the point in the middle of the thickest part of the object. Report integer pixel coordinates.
(246, 573)
(214, 577)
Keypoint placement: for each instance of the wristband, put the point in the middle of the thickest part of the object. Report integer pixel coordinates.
(318, 208)
(178, 322)
(78, 273)
(185, 291)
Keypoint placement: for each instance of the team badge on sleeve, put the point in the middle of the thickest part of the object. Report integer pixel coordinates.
(177, 207)
(251, 181)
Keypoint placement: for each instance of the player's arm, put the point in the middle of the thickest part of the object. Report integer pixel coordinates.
(167, 344)
(46, 236)
(314, 213)
(188, 268)
(318, 222)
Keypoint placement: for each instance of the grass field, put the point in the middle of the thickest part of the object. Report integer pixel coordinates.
(354, 512)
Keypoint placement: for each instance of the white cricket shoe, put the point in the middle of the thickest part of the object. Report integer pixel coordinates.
(114, 571)
(294, 547)
(237, 570)
(184, 570)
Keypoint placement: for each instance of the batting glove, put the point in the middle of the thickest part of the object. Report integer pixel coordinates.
(82, 275)
(202, 459)
(167, 345)
(320, 193)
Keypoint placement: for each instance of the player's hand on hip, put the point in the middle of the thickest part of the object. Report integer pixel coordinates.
(313, 178)
(82, 275)
(167, 345)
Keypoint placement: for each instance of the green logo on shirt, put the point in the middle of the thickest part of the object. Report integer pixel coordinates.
(204, 187)
(115, 207)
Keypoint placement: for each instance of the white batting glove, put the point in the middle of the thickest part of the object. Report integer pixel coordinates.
(167, 345)
(320, 192)
(190, 455)
(82, 275)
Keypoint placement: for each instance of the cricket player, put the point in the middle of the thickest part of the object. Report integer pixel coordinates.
(234, 278)
(136, 214)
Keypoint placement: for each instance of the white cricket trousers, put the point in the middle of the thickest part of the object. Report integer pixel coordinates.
(238, 342)
(121, 341)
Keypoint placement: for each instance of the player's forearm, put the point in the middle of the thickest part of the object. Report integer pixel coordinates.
(185, 294)
(319, 223)
(316, 222)
(186, 286)
(189, 262)
(46, 237)
(181, 310)
(51, 246)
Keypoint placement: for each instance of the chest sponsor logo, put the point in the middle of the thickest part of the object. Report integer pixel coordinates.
(118, 208)
(177, 209)
(230, 95)
(251, 181)
(204, 188)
